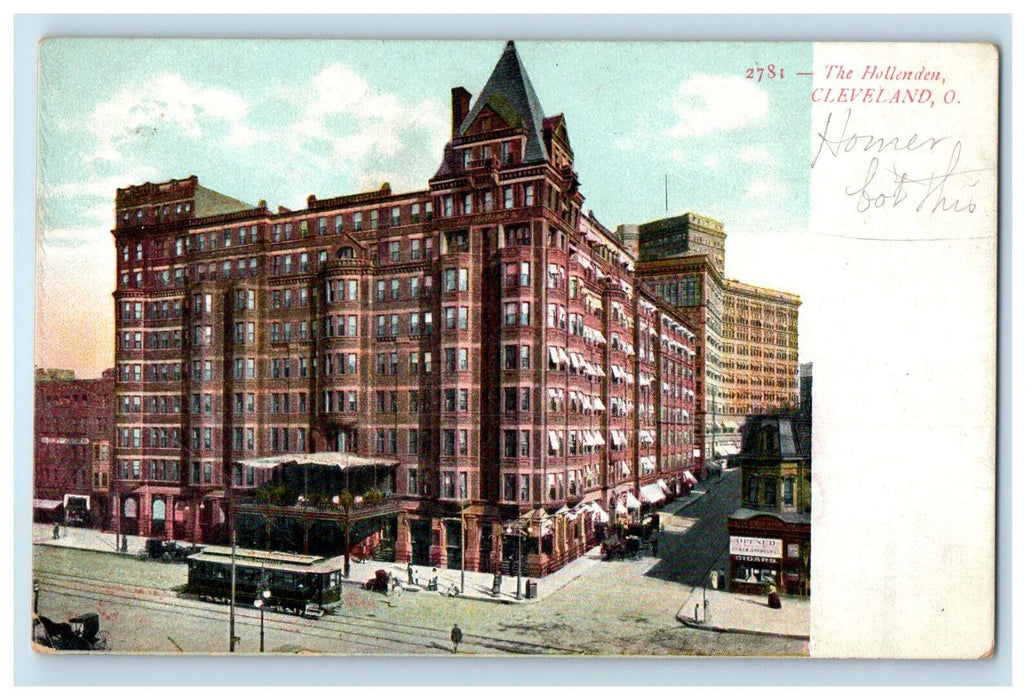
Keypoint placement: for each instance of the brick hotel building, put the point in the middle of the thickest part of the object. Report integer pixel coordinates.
(486, 338)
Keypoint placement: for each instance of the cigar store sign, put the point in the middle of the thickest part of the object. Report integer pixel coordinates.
(756, 547)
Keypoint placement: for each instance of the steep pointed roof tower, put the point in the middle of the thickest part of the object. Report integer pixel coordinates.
(510, 94)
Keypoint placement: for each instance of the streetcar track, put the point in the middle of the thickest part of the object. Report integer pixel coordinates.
(364, 621)
(161, 599)
(241, 621)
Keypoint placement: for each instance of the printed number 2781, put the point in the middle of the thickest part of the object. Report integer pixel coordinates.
(771, 72)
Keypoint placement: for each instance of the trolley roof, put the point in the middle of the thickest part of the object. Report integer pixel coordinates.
(272, 561)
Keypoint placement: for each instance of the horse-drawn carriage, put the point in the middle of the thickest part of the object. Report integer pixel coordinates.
(166, 550)
(80, 633)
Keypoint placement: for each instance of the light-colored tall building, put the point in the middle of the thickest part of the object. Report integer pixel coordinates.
(747, 334)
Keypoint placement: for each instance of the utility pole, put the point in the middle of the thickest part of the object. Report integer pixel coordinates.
(233, 590)
(462, 546)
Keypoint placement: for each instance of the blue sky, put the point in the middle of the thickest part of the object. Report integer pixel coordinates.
(279, 120)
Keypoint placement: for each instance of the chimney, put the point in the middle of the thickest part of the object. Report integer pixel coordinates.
(460, 108)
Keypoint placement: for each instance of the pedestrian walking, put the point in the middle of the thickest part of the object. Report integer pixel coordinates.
(57, 531)
(408, 570)
(457, 637)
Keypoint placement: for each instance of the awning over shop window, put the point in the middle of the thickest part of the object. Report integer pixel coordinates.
(632, 502)
(688, 477)
(651, 494)
(663, 486)
(45, 504)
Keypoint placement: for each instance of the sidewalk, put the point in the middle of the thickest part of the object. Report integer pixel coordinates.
(85, 538)
(739, 612)
(477, 585)
(749, 614)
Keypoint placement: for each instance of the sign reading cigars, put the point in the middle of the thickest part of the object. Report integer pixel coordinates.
(756, 547)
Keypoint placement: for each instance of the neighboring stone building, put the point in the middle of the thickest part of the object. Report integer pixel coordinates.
(771, 532)
(748, 344)
(484, 336)
(74, 426)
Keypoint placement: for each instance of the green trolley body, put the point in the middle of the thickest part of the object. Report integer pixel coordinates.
(294, 581)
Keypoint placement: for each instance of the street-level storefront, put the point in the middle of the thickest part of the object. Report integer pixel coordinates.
(767, 549)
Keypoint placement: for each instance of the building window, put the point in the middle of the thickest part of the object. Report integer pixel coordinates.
(787, 491)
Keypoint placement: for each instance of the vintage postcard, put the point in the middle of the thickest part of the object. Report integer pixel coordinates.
(498, 348)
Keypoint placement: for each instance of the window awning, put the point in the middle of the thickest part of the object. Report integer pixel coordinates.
(553, 355)
(615, 437)
(45, 504)
(554, 440)
(625, 469)
(651, 494)
(688, 476)
(631, 502)
(563, 355)
(663, 486)
(597, 403)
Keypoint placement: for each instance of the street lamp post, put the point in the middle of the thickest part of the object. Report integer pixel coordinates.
(260, 602)
(462, 547)
(519, 532)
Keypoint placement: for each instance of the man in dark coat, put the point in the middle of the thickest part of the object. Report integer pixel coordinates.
(457, 637)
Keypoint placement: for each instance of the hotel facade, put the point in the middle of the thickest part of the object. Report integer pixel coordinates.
(486, 338)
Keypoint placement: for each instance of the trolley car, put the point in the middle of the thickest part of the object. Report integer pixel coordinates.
(295, 581)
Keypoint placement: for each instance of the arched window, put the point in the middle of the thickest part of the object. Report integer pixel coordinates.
(129, 508)
(158, 509)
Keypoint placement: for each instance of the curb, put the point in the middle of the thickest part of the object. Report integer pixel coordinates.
(502, 599)
(733, 630)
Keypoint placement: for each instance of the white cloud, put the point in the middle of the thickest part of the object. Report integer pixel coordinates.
(706, 104)
(349, 125)
(137, 116)
(763, 189)
(755, 155)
